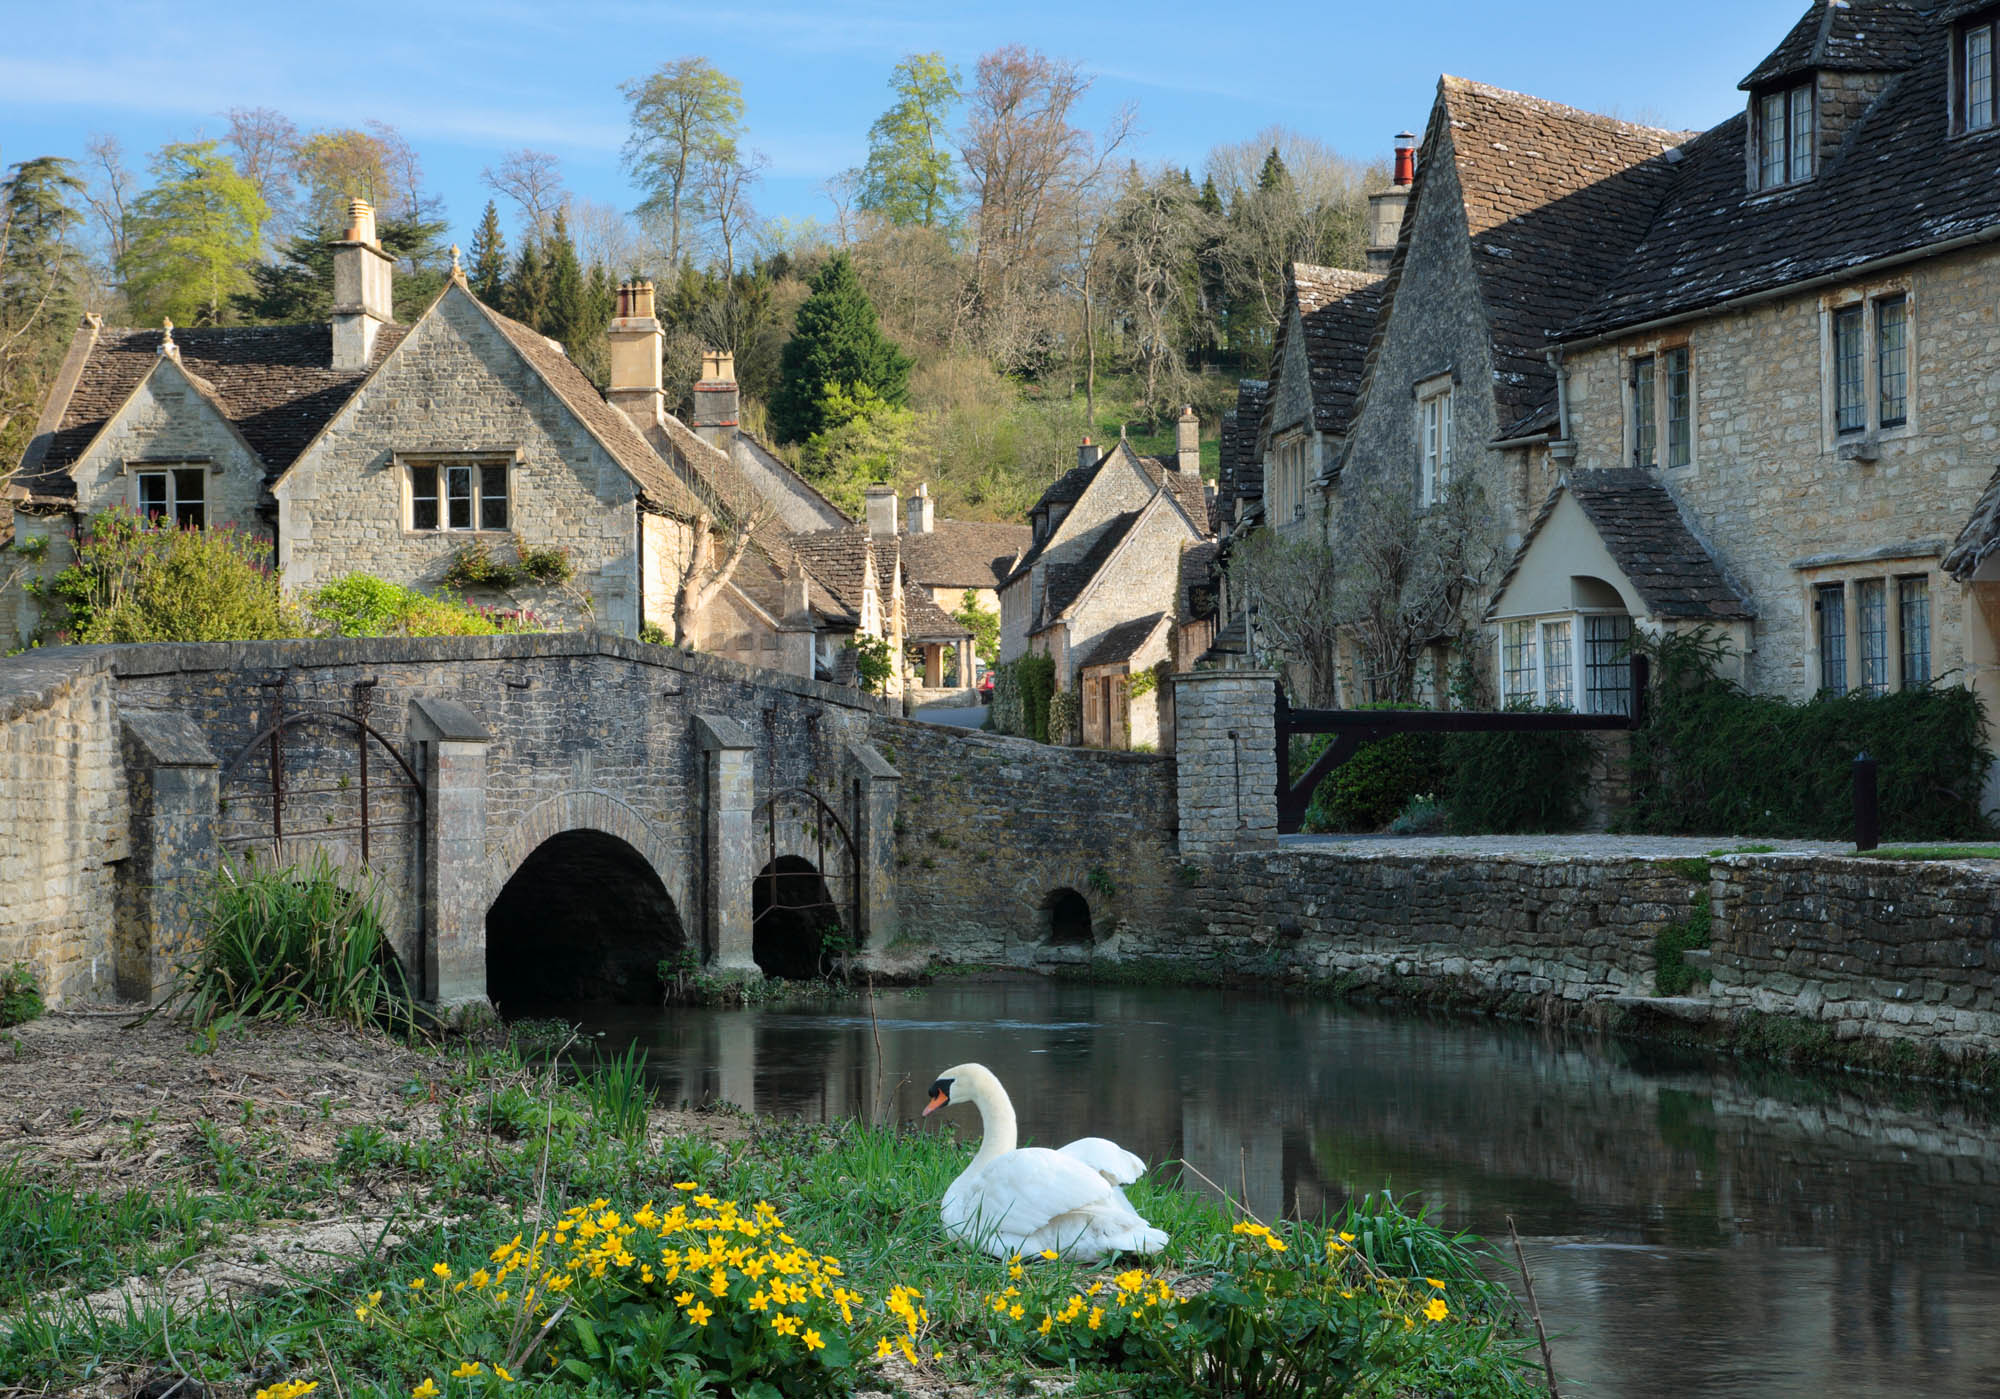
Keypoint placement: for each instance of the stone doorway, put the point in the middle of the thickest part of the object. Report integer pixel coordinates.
(792, 915)
(584, 919)
(1066, 918)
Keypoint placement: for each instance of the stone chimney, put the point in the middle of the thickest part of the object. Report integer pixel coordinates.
(881, 511)
(1385, 210)
(1087, 455)
(1187, 442)
(362, 301)
(634, 338)
(715, 399)
(920, 518)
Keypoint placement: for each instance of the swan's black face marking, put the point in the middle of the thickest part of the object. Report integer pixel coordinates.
(940, 1096)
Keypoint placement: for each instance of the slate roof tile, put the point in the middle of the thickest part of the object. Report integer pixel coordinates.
(1337, 312)
(1122, 642)
(1242, 471)
(964, 553)
(1856, 36)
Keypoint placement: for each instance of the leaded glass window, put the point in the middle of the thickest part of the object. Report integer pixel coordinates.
(1913, 607)
(1607, 664)
(1558, 676)
(1850, 401)
(1871, 616)
(1680, 440)
(1892, 360)
(1645, 431)
(1517, 661)
(1830, 601)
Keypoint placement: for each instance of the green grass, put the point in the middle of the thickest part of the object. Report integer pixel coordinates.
(1932, 852)
(512, 1146)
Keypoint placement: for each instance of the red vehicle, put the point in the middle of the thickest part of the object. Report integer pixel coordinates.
(986, 688)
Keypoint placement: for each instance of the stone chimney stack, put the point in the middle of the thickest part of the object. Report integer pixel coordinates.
(1187, 442)
(634, 339)
(715, 399)
(920, 517)
(1385, 210)
(881, 511)
(362, 292)
(1087, 455)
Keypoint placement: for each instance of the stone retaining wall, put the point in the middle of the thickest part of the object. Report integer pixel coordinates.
(1863, 948)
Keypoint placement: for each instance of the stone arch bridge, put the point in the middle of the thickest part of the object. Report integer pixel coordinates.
(553, 812)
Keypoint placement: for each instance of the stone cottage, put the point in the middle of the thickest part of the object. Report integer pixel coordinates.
(365, 446)
(950, 563)
(1100, 589)
(1308, 401)
(1779, 413)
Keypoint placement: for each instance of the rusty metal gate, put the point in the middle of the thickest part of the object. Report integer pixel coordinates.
(804, 814)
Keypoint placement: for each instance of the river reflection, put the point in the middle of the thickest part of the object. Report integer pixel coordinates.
(1695, 1228)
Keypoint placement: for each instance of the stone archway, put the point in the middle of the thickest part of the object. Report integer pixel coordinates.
(1066, 918)
(585, 918)
(791, 913)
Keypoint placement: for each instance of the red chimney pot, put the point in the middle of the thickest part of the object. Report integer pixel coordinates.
(1406, 158)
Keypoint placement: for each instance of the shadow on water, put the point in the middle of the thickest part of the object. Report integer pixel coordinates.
(1695, 1226)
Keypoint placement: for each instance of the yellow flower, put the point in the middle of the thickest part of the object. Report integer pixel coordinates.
(719, 1283)
(700, 1314)
(417, 1284)
(501, 1371)
(909, 1351)
(427, 1390)
(1048, 1253)
(759, 1301)
(1131, 1280)
(1015, 1272)
(686, 1185)
(883, 1350)
(813, 1342)
(1435, 1283)
(375, 1298)
(1017, 1311)
(1346, 1237)
(442, 1270)
(1048, 1324)
(1437, 1310)
(1096, 1317)
(681, 1299)
(467, 1370)
(360, 1314)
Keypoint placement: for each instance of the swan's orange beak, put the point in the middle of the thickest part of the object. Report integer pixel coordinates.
(938, 1099)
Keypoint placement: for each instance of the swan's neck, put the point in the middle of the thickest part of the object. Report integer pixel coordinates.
(996, 1124)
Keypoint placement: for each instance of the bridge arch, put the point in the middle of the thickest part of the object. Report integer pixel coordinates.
(586, 899)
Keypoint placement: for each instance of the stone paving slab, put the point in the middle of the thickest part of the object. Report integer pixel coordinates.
(1557, 847)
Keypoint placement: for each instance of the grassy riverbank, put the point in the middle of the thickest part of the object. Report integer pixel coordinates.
(226, 1207)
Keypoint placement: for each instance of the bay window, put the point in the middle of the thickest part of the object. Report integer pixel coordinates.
(1541, 663)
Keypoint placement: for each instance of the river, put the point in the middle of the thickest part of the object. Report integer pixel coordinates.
(1694, 1226)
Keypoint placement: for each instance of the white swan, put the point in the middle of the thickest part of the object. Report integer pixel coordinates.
(1022, 1201)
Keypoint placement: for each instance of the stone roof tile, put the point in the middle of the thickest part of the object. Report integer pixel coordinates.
(1122, 642)
(964, 553)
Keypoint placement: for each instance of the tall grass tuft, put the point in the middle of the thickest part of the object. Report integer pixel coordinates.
(285, 941)
(618, 1093)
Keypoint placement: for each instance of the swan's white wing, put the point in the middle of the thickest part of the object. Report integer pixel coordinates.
(1107, 1158)
(1021, 1191)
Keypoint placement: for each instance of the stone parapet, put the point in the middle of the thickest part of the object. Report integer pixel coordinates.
(1225, 744)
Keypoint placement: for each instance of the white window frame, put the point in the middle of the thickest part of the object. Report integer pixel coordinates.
(170, 468)
(1573, 683)
(1434, 438)
(478, 463)
(1795, 166)
(1868, 301)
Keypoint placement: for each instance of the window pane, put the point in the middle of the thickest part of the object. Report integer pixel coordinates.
(152, 494)
(1802, 133)
(1517, 664)
(1979, 77)
(1645, 432)
(1558, 684)
(493, 497)
(1444, 439)
(1679, 424)
(1892, 359)
(1832, 606)
(423, 497)
(190, 503)
(458, 492)
(1913, 597)
(1607, 665)
(1771, 142)
(1872, 615)
(1850, 412)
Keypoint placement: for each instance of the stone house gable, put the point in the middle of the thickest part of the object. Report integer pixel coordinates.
(1140, 575)
(1316, 362)
(1116, 484)
(459, 387)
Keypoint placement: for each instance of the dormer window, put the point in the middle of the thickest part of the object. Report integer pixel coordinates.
(1782, 128)
(1978, 78)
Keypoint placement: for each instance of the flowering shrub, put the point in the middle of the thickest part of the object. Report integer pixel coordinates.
(1276, 1317)
(702, 1291)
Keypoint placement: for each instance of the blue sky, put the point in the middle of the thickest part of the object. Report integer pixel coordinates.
(466, 81)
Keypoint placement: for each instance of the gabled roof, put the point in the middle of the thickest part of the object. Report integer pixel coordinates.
(924, 620)
(1196, 598)
(1901, 183)
(1337, 310)
(1980, 539)
(1855, 36)
(1122, 642)
(1646, 536)
(1242, 471)
(1186, 487)
(839, 559)
(1062, 582)
(964, 553)
(271, 383)
(1555, 199)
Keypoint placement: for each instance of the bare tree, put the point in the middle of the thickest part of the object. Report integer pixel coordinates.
(708, 555)
(681, 114)
(404, 173)
(724, 184)
(604, 235)
(266, 144)
(533, 181)
(109, 193)
(842, 191)
(1290, 199)
(1156, 230)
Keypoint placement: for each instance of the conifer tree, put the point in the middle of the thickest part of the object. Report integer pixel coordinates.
(566, 318)
(836, 343)
(488, 273)
(1274, 175)
(526, 296)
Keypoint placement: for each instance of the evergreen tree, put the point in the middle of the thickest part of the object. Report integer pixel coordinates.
(488, 273)
(526, 296)
(192, 236)
(1274, 175)
(567, 318)
(909, 177)
(39, 262)
(835, 344)
(297, 288)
